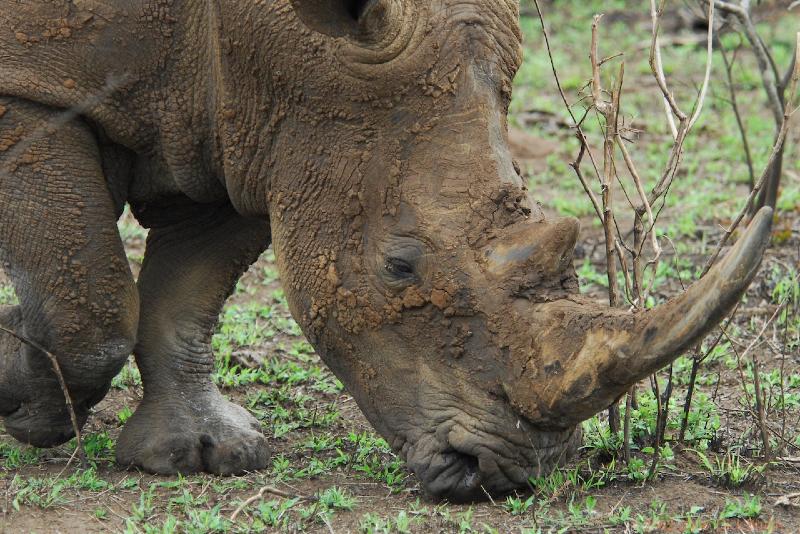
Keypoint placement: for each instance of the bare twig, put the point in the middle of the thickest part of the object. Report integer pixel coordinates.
(739, 122)
(597, 89)
(626, 426)
(657, 67)
(685, 122)
(777, 148)
(759, 395)
(67, 397)
(757, 382)
(611, 115)
(69, 462)
(637, 180)
(656, 452)
(576, 166)
(787, 500)
(774, 85)
(264, 491)
(763, 58)
(577, 126)
(696, 362)
(709, 57)
(662, 415)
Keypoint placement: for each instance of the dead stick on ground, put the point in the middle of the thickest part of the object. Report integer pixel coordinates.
(69, 462)
(263, 491)
(64, 389)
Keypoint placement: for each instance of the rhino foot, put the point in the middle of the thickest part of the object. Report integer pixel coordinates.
(31, 399)
(195, 433)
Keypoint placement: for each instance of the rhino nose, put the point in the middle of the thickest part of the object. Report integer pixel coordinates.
(545, 246)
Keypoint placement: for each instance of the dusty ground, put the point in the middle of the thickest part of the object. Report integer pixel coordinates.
(332, 474)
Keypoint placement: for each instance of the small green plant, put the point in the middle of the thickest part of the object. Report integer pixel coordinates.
(39, 492)
(747, 508)
(637, 469)
(372, 523)
(8, 296)
(581, 511)
(337, 498)
(124, 414)
(16, 455)
(516, 506)
(729, 470)
(98, 447)
(128, 377)
(621, 516)
(275, 513)
(465, 521)
(141, 512)
(597, 437)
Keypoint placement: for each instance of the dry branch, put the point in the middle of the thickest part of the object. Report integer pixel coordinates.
(777, 149)
(737, 114)
(264, 491)
(64, 389)
(775, 86)
(608, 107)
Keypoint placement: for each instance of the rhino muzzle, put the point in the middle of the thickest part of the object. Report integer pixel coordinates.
(562, 358)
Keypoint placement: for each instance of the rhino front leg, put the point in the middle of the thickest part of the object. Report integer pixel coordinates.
(60, 246)
(195, 254)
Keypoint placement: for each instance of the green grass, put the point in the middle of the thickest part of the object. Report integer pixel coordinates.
(336, 471)
(714, 168)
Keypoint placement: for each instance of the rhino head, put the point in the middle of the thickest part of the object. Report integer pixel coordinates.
(417, 263)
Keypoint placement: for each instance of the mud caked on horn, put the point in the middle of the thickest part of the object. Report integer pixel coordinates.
(581, 356)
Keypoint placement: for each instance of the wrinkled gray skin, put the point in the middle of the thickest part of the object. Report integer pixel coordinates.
(366, 140)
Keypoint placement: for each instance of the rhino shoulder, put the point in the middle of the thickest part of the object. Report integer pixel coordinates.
(84, 54)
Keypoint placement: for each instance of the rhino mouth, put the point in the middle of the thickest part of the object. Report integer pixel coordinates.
(471, 465)
(454, 475)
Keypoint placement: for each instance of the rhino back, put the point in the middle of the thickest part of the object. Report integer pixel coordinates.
(134, 69)
(96, 57)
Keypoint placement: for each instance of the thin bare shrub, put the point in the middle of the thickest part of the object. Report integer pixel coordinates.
(615, 186)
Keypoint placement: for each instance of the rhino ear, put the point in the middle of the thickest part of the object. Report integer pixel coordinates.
(339, 18)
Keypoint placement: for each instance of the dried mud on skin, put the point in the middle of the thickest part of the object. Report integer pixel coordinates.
(685, 486)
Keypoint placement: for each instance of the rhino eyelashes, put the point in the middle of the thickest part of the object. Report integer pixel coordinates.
(399, 268)
(338, 18)
(356, 8)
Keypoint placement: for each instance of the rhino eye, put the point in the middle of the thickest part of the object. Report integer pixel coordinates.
(401, 262)
(399, 268)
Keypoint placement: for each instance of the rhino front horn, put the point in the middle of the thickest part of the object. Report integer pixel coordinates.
(584, 356)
